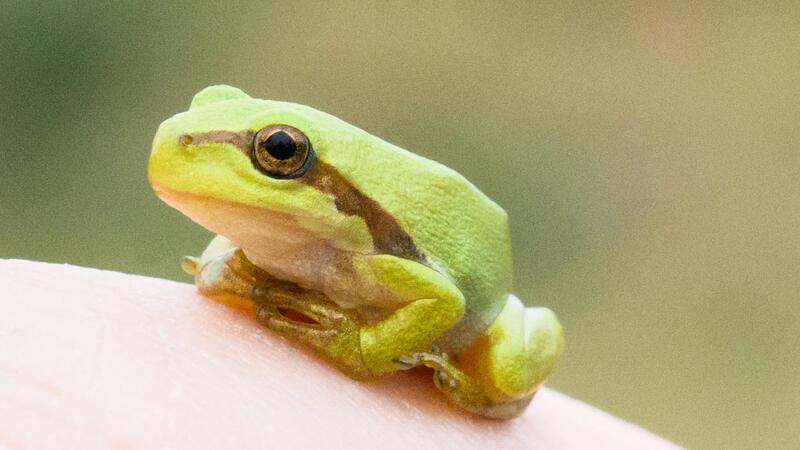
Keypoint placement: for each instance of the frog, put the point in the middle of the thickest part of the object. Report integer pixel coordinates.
(378, 259)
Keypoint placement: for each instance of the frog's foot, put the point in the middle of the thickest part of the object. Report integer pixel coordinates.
(313, 320)
(223, 273)
(465, 391)
(500, 373)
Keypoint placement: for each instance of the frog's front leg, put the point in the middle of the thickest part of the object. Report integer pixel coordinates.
(224, 274)
(431, 306)
(499, 374)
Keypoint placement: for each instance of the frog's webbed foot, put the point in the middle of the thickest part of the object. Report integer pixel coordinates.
(463, 390)
(498, 375)
(312, 319)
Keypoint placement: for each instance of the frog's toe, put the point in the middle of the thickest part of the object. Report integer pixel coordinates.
(407, 362)
(444, 381)
(284, 324)
(189, 264)
(302, 308)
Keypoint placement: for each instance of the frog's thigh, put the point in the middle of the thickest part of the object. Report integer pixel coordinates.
(516, 353)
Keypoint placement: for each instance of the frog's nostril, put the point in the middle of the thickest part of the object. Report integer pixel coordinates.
(185, 139)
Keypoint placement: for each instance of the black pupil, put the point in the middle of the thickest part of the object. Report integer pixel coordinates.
(280, 145)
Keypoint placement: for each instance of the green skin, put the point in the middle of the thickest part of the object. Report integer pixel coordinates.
(380, 259)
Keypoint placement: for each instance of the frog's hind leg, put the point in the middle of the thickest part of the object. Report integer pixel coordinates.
(309, 317)
(501, 371)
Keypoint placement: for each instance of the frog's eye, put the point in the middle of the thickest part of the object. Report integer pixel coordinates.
(281, 151)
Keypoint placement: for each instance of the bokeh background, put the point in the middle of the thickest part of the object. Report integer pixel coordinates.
(648, 156)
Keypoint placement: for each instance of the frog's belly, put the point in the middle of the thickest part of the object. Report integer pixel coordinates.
(320, 267)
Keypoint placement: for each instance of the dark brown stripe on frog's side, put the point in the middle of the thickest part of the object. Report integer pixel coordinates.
(388, 236)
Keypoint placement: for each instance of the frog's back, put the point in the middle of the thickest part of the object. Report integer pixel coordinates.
(456, 228)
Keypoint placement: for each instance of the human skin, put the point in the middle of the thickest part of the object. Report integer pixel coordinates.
(95, 359)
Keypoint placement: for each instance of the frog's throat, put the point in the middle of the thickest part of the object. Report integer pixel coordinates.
(388, 235)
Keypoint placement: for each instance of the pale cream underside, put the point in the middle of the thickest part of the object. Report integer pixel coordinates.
(276, 243)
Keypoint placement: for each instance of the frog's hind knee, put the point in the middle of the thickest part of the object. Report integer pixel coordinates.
(517, 352)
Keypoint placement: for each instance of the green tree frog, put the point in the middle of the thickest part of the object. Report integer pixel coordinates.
(378, 258)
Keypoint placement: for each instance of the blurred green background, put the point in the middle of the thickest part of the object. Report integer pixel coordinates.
(647, 156)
